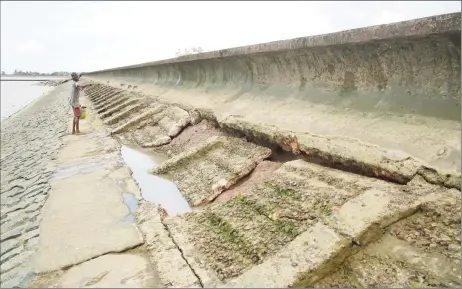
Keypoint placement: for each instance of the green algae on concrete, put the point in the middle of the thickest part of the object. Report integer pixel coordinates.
(248, 231)
(240, 233)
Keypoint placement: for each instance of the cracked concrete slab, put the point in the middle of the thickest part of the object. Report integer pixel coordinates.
(301, 263)
(77, 223)
(173, 269)
(131, 269)
(225, 241)
(157, 130)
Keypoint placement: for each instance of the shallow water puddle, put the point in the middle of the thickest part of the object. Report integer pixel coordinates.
(132, 204)
(130, 201)
(154, 188)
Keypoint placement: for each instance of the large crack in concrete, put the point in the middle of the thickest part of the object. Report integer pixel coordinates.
(100, 255)
(182, 255)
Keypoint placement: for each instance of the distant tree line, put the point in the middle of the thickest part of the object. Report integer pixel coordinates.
(56, 73)
(188, 51)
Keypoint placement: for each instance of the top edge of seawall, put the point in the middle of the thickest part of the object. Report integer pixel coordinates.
(421, 27)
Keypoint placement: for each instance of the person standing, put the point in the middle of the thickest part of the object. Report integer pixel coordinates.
(75, 101)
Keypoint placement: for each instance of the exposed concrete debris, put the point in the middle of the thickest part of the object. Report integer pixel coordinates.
(347, 154)
(204, 172)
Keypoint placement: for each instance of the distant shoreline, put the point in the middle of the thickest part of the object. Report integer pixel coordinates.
(31, 78)
(51, 83)
(38, 79)
(2, 120)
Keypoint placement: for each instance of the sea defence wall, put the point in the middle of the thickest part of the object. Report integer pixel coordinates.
(328, 161)
(378, 95)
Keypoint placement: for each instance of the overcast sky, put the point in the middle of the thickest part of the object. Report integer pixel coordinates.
(86, 36)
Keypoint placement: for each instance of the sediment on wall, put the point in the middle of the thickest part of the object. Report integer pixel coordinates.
(364, 66)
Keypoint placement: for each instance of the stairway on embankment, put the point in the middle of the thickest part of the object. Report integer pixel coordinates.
(330, 160)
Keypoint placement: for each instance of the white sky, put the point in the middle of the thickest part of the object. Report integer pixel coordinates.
(85, 36)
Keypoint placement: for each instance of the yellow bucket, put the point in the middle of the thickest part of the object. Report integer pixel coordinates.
(83, 112)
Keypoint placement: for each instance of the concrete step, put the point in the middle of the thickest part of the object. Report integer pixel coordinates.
(112, 102)
(119, 107)
(93, 95)
(419, 251)
(393, 263)
(299, 226)
(116, 117)
(147, 114)
(108, 97)
(91, 89)
(160, 129)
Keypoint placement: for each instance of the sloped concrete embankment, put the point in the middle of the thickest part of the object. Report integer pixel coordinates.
(383, 101)
(265, 218)
(86, 235)
(30, 141)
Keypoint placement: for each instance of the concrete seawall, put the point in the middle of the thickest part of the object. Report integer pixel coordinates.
(396, 86)
(289, 174)
(259, 211)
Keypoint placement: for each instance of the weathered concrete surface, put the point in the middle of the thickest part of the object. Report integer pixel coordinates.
(396, 87)
(156, 124)
(291, 219)
(316, 216)
(86, 222)
(84, 216)
(30, 141)
(393, 263)
(159, 123)
(420, 251)
(77, 233)
(172, 267)
(259, 232)
(130, 269)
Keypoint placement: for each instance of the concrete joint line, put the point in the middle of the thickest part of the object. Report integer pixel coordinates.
(97, 256)
(182, 255)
